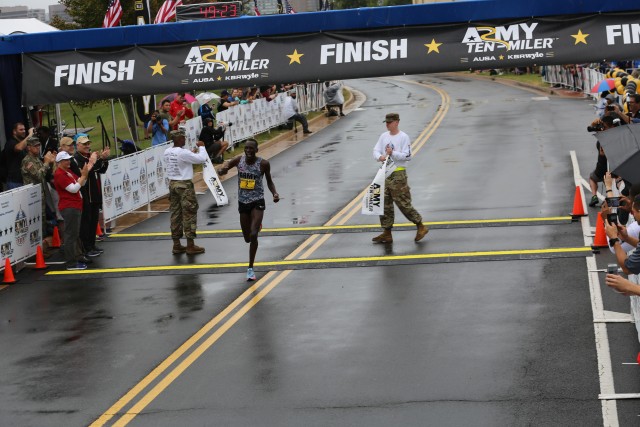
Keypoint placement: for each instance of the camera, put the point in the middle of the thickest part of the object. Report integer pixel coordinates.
(613, 269)
(609, 108)
(613, 203)
(597, 128)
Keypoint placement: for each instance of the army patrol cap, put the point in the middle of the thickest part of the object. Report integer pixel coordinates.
(176, 133)
(391, 117)
(33, 141)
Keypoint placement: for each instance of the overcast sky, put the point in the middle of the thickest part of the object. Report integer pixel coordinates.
(31, 4)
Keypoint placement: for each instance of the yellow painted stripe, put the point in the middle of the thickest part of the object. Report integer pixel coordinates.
(352, 227)
(294, 262)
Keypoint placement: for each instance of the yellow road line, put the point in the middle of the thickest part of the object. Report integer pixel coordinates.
(124, 400)
(356, 226)
(148, 398)
(329, 261)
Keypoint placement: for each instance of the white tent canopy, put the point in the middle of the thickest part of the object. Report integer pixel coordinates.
(24, 26)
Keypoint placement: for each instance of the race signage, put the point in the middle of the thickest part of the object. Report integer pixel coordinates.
(20, 223)
(211, 64)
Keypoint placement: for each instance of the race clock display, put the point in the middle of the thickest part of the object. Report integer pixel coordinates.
(199, 12)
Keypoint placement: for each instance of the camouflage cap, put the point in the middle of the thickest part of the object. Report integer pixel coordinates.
(33, 141)
(176, 133)
(391, 117)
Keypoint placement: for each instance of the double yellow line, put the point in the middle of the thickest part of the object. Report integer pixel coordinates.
(267, 283)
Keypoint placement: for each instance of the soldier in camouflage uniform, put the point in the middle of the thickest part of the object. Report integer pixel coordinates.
(179, 162)
(35, 171)
(396, 144)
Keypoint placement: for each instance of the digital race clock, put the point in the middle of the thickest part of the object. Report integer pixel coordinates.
(199, 12)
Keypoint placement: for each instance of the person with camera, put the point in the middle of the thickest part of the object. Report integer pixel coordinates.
(597, 175)
(213, 140)
(618, 233)
(159, 128)
(251, 204)
(290, 110)
(179, 162)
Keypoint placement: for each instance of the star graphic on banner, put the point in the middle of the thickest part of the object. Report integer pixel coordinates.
(501, 57)
(295, 57)
(157, 69)
(193, 58)
(219, 78)
(433, 46)
(580, 37)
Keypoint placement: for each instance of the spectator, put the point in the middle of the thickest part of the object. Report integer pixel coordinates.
(48, 143)
(92, 192)
(602, 104)
(68, 185)
(14, 151)
(180, 109)
(226, 101)
(291, 112)
(206, 112)
(333, 96)
(182, 196)
(35, 171)
(633, 104)
(158, 128)
(617, 234)
(213, 141)
(165, 113)
(268, 93)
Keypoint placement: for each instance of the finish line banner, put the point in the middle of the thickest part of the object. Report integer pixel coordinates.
(139, 70)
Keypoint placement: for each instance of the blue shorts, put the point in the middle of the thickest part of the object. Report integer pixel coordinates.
(246, 208)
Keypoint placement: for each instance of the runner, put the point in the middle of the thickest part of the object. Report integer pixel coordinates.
(251, 204)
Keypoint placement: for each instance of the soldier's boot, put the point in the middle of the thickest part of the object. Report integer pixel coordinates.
(192, 249)
(177, 247)
(385, 237)
(422, 231)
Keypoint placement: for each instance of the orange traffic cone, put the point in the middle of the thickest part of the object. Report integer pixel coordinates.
(40, 264)
(578, 206)
(600, 240)
(55, 240)
(8, 273)
(98, 230)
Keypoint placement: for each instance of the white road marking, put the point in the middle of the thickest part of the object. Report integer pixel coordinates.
(605, 370)
(540, 98)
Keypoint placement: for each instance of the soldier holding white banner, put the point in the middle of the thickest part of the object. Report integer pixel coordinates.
(396, 144)
(182, 195)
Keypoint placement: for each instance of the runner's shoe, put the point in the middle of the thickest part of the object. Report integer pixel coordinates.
(251, 276)
(594, 201)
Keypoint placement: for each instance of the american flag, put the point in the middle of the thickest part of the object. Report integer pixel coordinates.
(288, 8)
(168, 11)
(113, 15)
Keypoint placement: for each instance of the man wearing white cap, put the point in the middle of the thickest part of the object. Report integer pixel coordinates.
(68, 185)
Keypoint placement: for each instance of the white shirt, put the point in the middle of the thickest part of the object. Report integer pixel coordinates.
(401, 145)
(179, 162)
(290, 107)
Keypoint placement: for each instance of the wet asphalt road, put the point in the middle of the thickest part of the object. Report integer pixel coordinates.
(474, 343)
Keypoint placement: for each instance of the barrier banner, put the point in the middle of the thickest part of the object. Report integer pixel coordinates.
(213, 182)
(317, 57)
(125, 185)
(158, 185)
(192, 128)
(20, 223)
(373, 200)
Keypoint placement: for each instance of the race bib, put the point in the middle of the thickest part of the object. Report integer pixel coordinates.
(247, 184)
